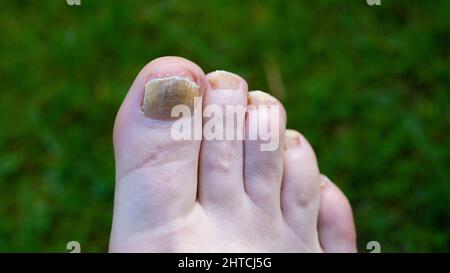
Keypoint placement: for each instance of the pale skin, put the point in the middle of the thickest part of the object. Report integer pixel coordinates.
(217, 196)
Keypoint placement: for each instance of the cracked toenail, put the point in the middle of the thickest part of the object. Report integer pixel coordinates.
(323, 180)
(162, 94)
(259, 97)
(223, 80)
(292, 139)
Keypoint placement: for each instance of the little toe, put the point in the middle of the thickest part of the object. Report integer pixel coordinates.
(336, 227)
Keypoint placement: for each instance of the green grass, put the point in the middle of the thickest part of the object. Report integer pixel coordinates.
(368, 86)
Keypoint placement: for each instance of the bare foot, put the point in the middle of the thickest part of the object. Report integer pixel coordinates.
(217, 195)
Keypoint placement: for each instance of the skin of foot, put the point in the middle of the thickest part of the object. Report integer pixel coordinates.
(217, 195)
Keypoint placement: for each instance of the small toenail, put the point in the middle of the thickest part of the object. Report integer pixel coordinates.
(223, 80)
(291, 140)
(323, 180)
(162, 94)
(260, 97)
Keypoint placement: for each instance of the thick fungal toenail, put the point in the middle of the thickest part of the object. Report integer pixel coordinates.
(291, 140)
(162, 94)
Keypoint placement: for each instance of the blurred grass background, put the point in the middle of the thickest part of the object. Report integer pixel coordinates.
(368, 86)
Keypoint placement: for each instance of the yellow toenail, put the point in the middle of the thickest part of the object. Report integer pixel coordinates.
(260, 97)
(162, 94)
(292, 139)
(223, 80)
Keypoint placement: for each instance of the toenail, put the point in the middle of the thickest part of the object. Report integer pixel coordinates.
(324, 180)
(163, 94)
(223, 80)
(292, 139)
(260, 97)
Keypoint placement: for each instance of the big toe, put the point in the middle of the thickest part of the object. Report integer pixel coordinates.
(156, 169)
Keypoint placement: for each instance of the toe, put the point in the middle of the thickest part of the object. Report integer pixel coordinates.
(263, 167)
(336, 226)
(301, 187)
(221, 156)
(155, 173)
(143, 124)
